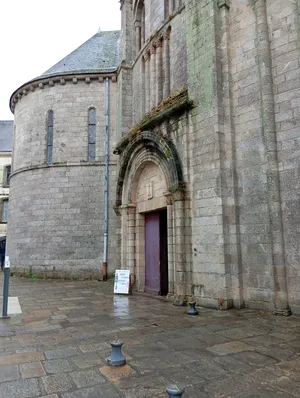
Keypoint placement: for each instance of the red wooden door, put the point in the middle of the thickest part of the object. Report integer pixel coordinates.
(152, 253)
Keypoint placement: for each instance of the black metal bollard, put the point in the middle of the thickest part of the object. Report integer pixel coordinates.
(5, 292)
(116, 358)
(175, 391)
(192, 310)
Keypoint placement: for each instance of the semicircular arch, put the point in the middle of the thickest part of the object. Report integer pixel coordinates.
(148, 146)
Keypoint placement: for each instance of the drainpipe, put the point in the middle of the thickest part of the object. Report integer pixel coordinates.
(105, 240)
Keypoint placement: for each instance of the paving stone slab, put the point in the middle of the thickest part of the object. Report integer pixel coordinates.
(230, 348)
(31, 369)
(57, 383)
(54, 366)
(102, 391)
(62, 353)
(21, 358)
(23, 388)
(254, 358)
(87, 378)
(9, 373)
(87, 360)
(116, 373)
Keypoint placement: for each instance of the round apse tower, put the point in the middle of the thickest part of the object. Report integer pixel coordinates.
(57, 209)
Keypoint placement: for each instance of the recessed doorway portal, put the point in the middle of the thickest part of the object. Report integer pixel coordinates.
(156, 253)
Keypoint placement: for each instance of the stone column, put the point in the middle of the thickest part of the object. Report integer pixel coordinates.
(159, 89)
(281, 305)
(166, 63)
(140, 251)
(180, 274)
(124, 227)
(171, 8)
(171, 265)
(147, 82)
(131, 210)
(231, 224)
(118, 235)
(152, 77)
(138, 36)
(143, 88)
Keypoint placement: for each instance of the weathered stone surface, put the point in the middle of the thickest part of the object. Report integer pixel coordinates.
(58, 366)
(62, 353)
(102, 391)
(8, 373)
(230, 348)
(57, 383)
(31, 369)
(87, 378)
(226, 168)
(25, 388)
(198, 356)
(21, 358)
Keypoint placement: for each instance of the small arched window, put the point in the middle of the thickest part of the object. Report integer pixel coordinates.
(50, 123)
(140, 25)
(92, 135)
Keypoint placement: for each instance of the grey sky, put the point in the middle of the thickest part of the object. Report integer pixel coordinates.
(36, 34)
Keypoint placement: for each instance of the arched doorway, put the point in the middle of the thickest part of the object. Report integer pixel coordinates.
(150, 209)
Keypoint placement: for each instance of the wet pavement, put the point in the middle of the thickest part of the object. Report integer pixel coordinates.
(58, 345)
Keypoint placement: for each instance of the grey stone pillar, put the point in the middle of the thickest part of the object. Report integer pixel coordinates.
(143, 88)
(166, 63)
(118, 235)
(124, 234)
(147, 82)
(179, 240)
(152, 77)
(171, 264)
(232, 247)
(138, 36)
(281, 305)
(159, 89)
(131, 210)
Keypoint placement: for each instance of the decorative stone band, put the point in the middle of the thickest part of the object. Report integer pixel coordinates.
(51, 81)
(61, 164)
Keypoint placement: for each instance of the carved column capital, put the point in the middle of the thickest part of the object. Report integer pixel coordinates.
(158, 43)
(131, 209)
(224, 3)
(146, 56)
(178, 196)
(152, 49)
(166, 34)
(169, 198)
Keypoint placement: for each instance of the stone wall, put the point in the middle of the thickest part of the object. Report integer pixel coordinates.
(56, 213)
(5, 160)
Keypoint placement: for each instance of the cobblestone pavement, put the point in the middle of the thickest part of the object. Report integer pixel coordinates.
(58, 346)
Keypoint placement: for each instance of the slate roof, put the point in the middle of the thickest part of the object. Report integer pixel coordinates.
(6, 135)
(98, 54)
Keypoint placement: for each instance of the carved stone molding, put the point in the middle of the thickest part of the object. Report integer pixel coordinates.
(152, 49)
(131, 209)
(158, 43)
(169, 198)
(178, 195)
(50, 81)
(224, 3)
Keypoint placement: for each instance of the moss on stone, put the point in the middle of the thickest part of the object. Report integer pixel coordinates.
(174, 105)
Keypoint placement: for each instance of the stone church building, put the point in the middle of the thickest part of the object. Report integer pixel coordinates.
(170, 148)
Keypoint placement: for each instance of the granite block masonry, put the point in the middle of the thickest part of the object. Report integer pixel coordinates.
(204, 135)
